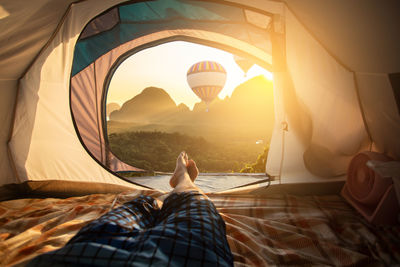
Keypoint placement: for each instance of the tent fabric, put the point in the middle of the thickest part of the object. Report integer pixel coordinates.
(328, 101)
(395, 82)
(351, 54)
(102, 23)
(143, 18)
(362, 35)
(381, 111)
(25, 28)
(323, 132)
(44, 144)
(7, 100)
(22, 36)
(58, 189)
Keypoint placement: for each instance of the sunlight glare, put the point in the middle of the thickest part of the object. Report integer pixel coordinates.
(3, 12)
(165, 66)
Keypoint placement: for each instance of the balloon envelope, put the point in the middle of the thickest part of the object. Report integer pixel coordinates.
(206, 79)
(244, 63)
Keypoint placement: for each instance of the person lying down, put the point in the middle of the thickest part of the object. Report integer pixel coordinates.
(186, 231)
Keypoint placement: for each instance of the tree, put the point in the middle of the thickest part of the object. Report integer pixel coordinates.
(259, 165)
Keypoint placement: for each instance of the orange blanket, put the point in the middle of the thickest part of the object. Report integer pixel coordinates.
(278, 230)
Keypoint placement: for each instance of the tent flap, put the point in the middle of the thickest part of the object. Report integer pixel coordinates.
(140, 19)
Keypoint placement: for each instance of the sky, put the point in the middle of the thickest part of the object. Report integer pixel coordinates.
(165, 66)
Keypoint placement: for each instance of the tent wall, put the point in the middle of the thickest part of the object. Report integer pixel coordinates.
(44, 144)
(135, 20)
(361, 35)
(381, 112)
(7, 101)
(24, 30)
(337, 111)
(322, 115)
(327, 93)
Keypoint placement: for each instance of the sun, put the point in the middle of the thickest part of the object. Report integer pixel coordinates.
(257, 70)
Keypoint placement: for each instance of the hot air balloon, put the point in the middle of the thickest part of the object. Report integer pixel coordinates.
(244, 63)
(206, 78)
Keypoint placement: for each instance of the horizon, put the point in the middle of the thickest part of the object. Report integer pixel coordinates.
(170, 62)
(191, 109)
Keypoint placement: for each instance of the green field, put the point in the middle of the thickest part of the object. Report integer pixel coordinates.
(157, 151)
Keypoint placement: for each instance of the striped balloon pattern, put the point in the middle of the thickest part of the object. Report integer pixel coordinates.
(206, 79)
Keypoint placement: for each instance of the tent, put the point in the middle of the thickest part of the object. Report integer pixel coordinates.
(336, 79)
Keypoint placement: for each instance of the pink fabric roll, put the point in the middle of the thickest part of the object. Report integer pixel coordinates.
(364, 185)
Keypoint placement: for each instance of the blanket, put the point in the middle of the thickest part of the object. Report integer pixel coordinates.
(275, 230)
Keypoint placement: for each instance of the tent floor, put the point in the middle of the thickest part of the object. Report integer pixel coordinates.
(64, 189)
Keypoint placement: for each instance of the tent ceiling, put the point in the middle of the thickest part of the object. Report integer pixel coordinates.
(25, 27)
(363, 34)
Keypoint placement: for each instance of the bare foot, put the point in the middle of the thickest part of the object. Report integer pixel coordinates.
(192, 169)
(180, 170)
(184, 175)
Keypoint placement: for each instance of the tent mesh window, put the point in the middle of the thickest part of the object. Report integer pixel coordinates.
(128, 28)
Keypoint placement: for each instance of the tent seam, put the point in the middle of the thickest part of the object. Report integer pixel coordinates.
(97, 111)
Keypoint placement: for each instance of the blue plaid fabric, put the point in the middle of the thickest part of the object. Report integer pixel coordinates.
(186, 231)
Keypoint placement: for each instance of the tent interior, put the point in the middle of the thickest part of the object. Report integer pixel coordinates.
(336, 69)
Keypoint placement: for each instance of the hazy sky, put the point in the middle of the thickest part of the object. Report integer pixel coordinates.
(166, 65)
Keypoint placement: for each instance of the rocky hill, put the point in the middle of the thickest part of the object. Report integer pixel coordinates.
(249, 110)
(112, 107)
(150, 106)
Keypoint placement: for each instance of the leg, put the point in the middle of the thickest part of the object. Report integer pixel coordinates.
(132, 217)
(109, 240)
(197, 230)
(187, 231)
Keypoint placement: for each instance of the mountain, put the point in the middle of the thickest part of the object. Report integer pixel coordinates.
(250, 105)
(112, 107)
(249, 111)
(151, 105)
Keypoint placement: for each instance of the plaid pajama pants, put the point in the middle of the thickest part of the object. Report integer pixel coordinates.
(186, 231)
